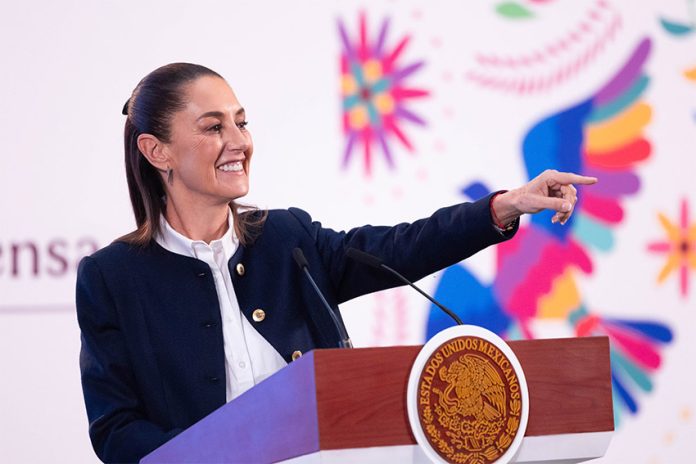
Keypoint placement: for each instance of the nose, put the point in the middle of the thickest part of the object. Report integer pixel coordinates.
(236, 140)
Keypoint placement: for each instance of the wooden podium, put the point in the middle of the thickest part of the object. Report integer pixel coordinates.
(341, 405)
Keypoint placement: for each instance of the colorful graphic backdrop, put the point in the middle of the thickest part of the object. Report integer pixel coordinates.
(379, 113)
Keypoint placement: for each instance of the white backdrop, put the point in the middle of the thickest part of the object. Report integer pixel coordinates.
(491, 70)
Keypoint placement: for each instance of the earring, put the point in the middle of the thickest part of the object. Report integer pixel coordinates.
(170, 176)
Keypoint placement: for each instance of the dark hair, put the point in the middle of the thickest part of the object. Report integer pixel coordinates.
(150, 110)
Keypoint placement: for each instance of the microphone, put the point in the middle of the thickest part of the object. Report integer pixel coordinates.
(373, 261)
(302, 263)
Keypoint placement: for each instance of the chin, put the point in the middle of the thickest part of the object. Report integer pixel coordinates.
(239, 193)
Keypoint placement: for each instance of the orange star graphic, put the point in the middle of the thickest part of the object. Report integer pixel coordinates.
(680, 248)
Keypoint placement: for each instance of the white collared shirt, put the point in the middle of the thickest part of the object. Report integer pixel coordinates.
(249, 358)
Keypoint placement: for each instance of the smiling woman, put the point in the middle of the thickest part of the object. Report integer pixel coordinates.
(203, 301)
(180, 116)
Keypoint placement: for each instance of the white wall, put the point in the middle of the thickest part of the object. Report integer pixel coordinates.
(68, 67)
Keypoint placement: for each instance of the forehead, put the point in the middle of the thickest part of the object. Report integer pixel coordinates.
(210, 93)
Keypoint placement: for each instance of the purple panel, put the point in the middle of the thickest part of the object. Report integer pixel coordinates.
(275, 420)
(626, 76)
(613, 183)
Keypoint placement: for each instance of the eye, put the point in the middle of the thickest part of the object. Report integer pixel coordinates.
(242, 125)
(215, 128)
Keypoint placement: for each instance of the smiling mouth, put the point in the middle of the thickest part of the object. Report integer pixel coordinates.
(233, 166)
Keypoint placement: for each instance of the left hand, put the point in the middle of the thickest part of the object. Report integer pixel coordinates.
(549, 190)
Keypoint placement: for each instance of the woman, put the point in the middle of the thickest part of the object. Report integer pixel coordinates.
(202, 301)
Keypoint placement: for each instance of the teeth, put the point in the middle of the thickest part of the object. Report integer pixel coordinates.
(235, 166)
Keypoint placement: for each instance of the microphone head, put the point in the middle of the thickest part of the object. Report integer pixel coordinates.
(364, 258)
(300, 258)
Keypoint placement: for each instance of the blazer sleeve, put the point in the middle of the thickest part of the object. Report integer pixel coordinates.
(417, 249)
(117, 427)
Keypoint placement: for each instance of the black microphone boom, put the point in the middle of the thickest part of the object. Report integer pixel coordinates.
(365, 258)
(302, 263)
(299, 258)
(373, 261)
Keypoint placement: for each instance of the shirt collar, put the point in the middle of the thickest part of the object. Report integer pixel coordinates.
(173, 241)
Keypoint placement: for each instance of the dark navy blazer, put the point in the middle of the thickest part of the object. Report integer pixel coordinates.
(152, 357)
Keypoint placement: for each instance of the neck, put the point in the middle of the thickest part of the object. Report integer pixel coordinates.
(198, 223)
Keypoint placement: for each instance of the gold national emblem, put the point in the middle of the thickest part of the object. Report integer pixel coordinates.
(469, 401)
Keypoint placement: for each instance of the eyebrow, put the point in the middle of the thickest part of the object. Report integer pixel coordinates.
(218, 114)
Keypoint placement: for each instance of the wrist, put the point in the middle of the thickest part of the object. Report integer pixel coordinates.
(504, 211)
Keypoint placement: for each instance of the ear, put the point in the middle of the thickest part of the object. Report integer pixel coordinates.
(153, 150)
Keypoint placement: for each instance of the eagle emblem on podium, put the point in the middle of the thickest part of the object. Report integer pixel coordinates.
(470, 402)
(479, 391)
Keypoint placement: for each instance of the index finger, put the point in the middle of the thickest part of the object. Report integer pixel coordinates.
(571, 178)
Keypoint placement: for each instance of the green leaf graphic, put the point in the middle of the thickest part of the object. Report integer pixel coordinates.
(513, 10)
